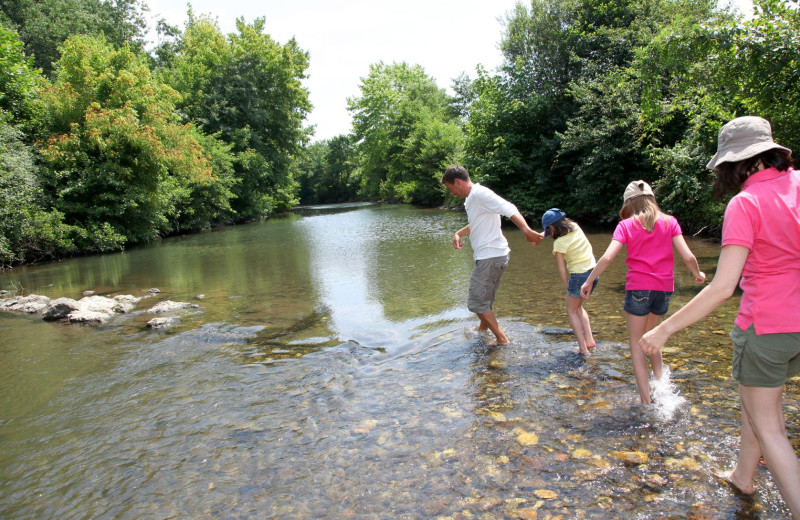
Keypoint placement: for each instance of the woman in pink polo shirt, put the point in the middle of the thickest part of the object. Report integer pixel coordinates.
(760, 246)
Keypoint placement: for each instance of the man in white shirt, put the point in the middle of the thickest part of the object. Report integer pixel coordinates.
(489, 247)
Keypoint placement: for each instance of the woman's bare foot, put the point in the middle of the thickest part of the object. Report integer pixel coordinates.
(743, 488)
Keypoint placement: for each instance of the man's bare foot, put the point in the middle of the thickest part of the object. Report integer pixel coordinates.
(591, 346)
(584, 352)
(739, 487)
(498, 342)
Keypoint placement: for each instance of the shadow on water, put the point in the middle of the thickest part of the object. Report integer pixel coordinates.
(340, 379)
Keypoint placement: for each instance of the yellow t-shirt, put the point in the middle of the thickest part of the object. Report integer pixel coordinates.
(577, 251)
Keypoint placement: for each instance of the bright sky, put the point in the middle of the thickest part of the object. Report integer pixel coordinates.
(343, 38)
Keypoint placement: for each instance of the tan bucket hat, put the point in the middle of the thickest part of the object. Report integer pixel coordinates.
(742, 138)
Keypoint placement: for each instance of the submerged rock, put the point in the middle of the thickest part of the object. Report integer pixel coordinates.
(159, 323)
(631, 457)
(171, 306)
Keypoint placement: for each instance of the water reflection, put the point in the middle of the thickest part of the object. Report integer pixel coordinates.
(333, 372)
(382, 277)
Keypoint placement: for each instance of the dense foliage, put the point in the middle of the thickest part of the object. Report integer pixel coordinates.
(246, 89)
(594, 94)
(103, 144)
(114, 146)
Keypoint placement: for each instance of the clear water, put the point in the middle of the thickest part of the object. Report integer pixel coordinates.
(332, 371)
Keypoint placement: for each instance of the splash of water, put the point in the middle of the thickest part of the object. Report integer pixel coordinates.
(666, 398)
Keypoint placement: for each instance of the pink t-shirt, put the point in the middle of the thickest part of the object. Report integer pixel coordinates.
(650, 261)
(765, 218)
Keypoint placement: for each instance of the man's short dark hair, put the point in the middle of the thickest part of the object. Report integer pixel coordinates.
(454, 172)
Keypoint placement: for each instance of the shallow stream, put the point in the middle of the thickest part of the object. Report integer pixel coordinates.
(332, 370)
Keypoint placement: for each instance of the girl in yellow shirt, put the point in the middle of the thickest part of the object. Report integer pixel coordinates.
(575, 260)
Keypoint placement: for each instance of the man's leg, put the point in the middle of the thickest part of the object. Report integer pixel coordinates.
(492, 324)
(483, 286)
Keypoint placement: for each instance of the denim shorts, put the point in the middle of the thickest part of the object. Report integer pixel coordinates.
(576, 280)
(765, 361)
(484, 282)
(642, 303)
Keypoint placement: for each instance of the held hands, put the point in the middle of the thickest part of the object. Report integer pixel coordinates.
(700, 278)
(534, 237)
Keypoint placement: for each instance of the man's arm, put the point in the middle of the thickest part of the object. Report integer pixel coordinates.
(531, 236)
(457, 237)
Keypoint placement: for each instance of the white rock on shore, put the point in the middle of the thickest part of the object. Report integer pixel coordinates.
(90, 309)
(31, 304)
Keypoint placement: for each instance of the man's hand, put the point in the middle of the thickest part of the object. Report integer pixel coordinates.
(534, 237)
(457, 241)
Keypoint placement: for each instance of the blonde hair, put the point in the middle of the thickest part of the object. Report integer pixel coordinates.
(644, 209)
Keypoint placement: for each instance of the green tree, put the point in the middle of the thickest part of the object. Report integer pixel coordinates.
(28, 231)
(407, 132)
(695, 77)
(119, 164)
(20, 82)
(512, 129)
(246, 89)
(328, 171)
(43, 25)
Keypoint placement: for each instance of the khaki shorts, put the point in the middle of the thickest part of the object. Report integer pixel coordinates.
(767, 360)
(484, 282)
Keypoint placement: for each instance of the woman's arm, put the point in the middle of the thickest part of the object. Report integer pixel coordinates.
(613, 250)
(688, 258)
(729, 271)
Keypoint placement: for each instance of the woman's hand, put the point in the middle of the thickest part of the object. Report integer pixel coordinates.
(653, 341)
(586, 289)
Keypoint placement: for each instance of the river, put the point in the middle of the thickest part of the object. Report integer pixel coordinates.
(332, 370)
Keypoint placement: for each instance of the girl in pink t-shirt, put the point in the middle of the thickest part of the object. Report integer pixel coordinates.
(649, 236)
(760, 253)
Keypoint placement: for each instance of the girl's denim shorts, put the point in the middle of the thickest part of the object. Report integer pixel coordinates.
(575, 282)
(642, 303)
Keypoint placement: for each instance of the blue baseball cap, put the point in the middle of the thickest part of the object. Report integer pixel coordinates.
(550, 217)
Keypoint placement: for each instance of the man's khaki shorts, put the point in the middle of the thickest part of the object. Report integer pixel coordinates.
(484, 282)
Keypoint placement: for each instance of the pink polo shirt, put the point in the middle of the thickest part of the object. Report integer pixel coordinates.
(765, 218)
(650, 260)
